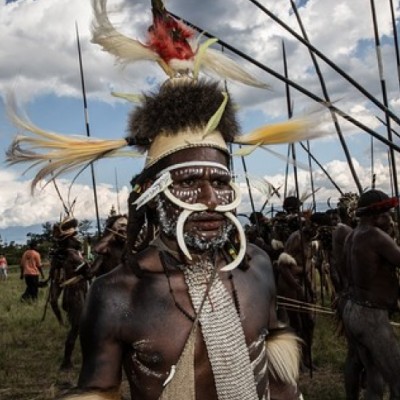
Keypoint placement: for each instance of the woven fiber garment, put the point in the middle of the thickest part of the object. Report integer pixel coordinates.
(223, 334)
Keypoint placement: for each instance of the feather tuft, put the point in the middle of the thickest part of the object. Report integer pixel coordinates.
(283, 352)
(55, 153)
(132, 97)
(291, 131)
(222, 65)
(125, 49)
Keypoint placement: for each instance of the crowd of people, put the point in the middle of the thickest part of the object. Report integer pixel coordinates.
(351, 255)
(345, 258)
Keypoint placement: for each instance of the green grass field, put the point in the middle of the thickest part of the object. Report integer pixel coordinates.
(31, 351)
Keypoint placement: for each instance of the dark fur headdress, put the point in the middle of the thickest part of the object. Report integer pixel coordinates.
(179, 106)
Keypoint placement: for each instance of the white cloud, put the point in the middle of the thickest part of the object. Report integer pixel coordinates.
(18, 207)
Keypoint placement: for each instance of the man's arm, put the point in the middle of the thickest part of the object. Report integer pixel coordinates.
(38, 261)
(101, 370)
(388, 248)
(101, 346)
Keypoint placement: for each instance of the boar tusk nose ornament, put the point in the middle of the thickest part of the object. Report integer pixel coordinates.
(188, 209)
(161, 186)
(242, 240)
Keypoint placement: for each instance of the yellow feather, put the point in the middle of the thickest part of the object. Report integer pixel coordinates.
(246, 151)
(200, 54)
(54, 153)
(285, 132)
(216, 118)
(132, 97)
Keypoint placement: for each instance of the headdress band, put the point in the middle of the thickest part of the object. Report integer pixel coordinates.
(165, 144)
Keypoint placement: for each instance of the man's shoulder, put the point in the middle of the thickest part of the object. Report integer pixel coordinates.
(341, 231)
(259, 259)
(148, 260)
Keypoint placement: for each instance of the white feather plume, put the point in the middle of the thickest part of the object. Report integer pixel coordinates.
(218, 63)
(125, 49)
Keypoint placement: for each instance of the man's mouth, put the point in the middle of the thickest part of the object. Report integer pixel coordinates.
(207, 221)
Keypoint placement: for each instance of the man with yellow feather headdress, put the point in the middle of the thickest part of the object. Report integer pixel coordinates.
(191, 315)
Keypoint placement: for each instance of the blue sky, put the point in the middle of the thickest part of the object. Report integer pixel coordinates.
(39, 63)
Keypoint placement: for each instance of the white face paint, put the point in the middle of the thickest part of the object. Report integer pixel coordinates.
(206, 195)
(196, 240)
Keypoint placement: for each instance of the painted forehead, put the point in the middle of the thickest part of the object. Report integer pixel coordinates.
(199, 171)
(194, 167)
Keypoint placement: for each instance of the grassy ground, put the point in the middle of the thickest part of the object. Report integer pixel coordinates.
(31, 352)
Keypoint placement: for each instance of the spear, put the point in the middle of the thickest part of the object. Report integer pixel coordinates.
(296, 86)
(327, 99)
(250, 194)
(392, 162)
(322, 168)
(85, 108)
(311, 176)
(396, 42)
(117, 189)
(296, 181)
(373, 164)
(286, 173)
(290, 115)
(360, 88)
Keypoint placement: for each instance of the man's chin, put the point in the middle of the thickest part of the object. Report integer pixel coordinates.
(209, 240)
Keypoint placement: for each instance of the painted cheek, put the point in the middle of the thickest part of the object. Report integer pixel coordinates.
(189, 196)
(172, 211)
(224, 196)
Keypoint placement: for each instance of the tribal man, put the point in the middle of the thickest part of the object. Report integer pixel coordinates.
(66, 278)
(191, 315)
(371, 258)
(110, 248)
(181, 320)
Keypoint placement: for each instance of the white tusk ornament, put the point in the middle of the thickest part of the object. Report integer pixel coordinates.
(242, 239)
(179, 233)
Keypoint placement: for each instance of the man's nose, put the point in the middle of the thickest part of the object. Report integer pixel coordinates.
(208, 196)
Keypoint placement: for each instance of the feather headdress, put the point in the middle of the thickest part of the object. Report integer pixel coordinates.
(185, 112)
(55, 153)
(170, 43)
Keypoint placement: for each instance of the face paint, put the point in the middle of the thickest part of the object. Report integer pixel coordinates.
(194, 240)
(195, 200)
(198, 188)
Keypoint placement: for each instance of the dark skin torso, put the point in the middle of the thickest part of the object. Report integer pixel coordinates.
(371, 260)
(134, 321)
(291, 276)
(339, 236)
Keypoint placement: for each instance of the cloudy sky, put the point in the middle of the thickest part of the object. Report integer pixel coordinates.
(39, 63)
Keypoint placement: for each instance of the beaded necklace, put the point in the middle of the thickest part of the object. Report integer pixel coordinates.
(166, 268)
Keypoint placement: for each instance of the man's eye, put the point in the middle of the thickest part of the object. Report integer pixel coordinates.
(187, 183)
(220, 184)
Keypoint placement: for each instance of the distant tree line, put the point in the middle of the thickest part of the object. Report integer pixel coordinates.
(13, 251)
